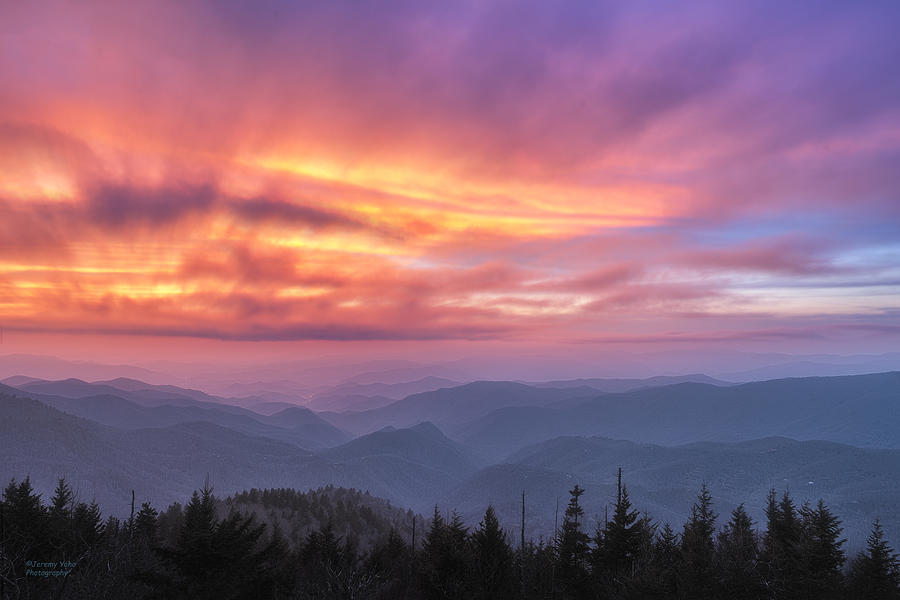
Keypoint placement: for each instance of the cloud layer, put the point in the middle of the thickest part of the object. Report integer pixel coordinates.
(483, 171)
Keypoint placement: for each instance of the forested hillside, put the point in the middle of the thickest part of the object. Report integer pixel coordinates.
(336, 543)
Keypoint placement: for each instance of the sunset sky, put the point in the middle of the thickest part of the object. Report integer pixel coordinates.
(641, 175)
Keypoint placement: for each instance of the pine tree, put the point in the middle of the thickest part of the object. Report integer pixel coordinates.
(25, 521)
(60, 519)
(169, 524)
(112, 528)
(392, 564)
(493, 559)
(617, 543)
(539, 561)
(662, 576)
(736, 558)
(251, 565)
(446, 559)
(88, 525)
(572, 549)
(324, 548)
(217, 559)
(642, 581)
(696, 578)
(780, 558)
(145, 522)
(875, 573)
(821, 556)
(190, 567)
(199, 523)
(62, 500)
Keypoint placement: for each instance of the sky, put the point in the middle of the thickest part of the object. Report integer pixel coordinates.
(449, 178)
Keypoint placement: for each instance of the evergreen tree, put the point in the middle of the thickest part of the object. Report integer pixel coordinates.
(446, 559)
(641, 583)
(25, 521)
(737, 554)
(780, 559)
(213, 559)
(617, 543)
(112, 528)
(572, 549)
(821, 555)
(190, 567)
(60, 519)
(493, 559)
(696, 577)
(145, 522)
(199, 525)
(391, 563)
(661, 578)
(324, 550)
(252, 564)
(539, 562)
(62, 500)
(875, 573)
(88, 525)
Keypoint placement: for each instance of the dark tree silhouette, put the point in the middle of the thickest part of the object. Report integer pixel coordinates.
(145, 522)
(737, 556)
(446, 559)
(696, 576)
(88, 525)
(875, 573)
(216, 559)
(61, 525)
(25, 521)
(780, 558)
(661, 577)
(821, 556)
(617, 543)
(392, 566)
(62, 500)
(572, 549)
(494, 575)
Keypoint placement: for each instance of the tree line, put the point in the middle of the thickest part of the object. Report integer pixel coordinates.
(66, 549)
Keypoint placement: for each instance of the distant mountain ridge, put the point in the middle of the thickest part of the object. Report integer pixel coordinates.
(455, 405)
(365, 396)
(627, 385)
(129, 389)
(421, 444)
(419, 463)
(134, 410)
(812, 368)
(860, 410)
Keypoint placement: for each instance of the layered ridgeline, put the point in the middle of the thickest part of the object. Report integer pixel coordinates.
(131, 404)
(857, 410)
(162, 464)
(485, 443)
(497, 418)
(337, 543)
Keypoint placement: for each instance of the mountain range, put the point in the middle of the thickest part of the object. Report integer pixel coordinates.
(861, 410)
(139, 408)
(465, 446)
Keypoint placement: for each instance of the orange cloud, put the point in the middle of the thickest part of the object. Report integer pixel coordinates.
(300, 172)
